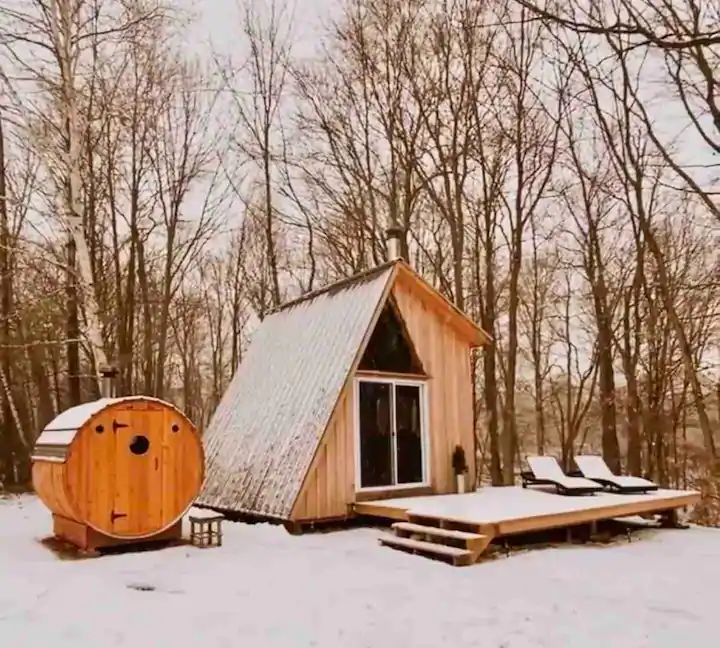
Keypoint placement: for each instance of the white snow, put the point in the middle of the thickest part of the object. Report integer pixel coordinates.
(267, 589)
(63, 428)
(74, 418)
(510, 503)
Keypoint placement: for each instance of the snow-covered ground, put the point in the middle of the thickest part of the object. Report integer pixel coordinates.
(267, 589)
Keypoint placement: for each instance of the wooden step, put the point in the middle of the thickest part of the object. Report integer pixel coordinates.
(441, 523)
(452, 555)
(475, 542)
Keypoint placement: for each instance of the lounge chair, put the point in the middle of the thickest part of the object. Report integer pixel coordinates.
(546, 471)
(593, 467)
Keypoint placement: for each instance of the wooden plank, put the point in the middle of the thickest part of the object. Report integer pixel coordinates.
(446, 523)
(374, 509)
(391, 375)
(86, 538)
(458, 320)
(44, 483)
(457, 556)
(98, 457)
(584, 516)
(475, 542)
(411, 491)
(345, 449)
(494, 528)
(323, 485)
(412, 527)
(425, 546)
(71, 531)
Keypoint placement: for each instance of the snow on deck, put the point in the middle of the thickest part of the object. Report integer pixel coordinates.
(267, 589)
(488, 505)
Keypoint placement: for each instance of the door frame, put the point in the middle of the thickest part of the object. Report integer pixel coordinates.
(424, 432)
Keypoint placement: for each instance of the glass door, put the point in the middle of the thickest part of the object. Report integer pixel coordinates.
(408, 434)
(376, 435)
(391, 436)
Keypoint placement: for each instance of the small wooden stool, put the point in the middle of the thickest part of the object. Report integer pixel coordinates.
(206, 531)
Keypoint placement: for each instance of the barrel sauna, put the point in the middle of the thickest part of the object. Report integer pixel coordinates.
(118, 470)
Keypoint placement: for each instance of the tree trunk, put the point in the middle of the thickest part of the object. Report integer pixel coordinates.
(487, 318)
(72, 326)
(633, 405)
(14, 454)
(509, 432)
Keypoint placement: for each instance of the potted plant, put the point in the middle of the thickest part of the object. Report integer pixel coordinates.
(460, 467)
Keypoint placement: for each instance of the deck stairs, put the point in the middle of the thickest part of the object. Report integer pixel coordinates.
(456, 543)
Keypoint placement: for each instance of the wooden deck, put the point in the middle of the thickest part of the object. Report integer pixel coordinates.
(497, 512)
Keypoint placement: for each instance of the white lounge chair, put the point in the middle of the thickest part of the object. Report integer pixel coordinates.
(546, 471)
(594, 467)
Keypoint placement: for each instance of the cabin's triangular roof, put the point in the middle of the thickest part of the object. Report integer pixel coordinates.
(266, 430)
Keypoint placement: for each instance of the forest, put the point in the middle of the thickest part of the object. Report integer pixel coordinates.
(552, 168)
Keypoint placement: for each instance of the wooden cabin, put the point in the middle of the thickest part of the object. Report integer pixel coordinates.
(361, 390)
(118, 470)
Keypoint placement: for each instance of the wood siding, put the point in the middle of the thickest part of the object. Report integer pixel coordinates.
(148, 492)
(446, 359)
(329, 488)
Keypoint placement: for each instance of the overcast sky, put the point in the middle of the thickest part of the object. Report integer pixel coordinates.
(219, 21)
(219, 28)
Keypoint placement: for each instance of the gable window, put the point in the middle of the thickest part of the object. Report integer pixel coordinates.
(390, 349)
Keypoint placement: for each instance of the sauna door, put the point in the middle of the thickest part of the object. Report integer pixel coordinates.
(391, 434)
(139, 480)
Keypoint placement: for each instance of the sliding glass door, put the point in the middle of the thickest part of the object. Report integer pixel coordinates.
(391, 435)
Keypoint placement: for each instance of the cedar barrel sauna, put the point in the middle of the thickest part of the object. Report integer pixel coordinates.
(118, 470)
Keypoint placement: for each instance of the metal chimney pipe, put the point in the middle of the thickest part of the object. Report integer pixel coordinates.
(107, 381)
(393, 236)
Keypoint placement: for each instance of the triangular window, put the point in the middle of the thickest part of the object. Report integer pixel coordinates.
(390, 348)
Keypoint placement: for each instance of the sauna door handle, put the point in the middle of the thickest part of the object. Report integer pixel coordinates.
(114, 516)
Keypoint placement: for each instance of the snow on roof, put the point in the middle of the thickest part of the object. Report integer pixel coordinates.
(265, 432)
(62, 429)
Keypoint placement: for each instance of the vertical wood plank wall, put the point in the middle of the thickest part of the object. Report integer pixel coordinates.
(446, 359)
(329, 487)
(101, 476)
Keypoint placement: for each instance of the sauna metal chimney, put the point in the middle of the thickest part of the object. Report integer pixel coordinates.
(107, 381)
(393, 236)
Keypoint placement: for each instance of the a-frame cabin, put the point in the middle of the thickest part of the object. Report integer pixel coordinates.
(361, 390)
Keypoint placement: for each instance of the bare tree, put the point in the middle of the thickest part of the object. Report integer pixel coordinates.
(531, 125)
(685, 34)
(538, 293)
(573, 388)
(675, 27)
(258, 87)
(181, 158)
(595, 224)
(630, 154)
